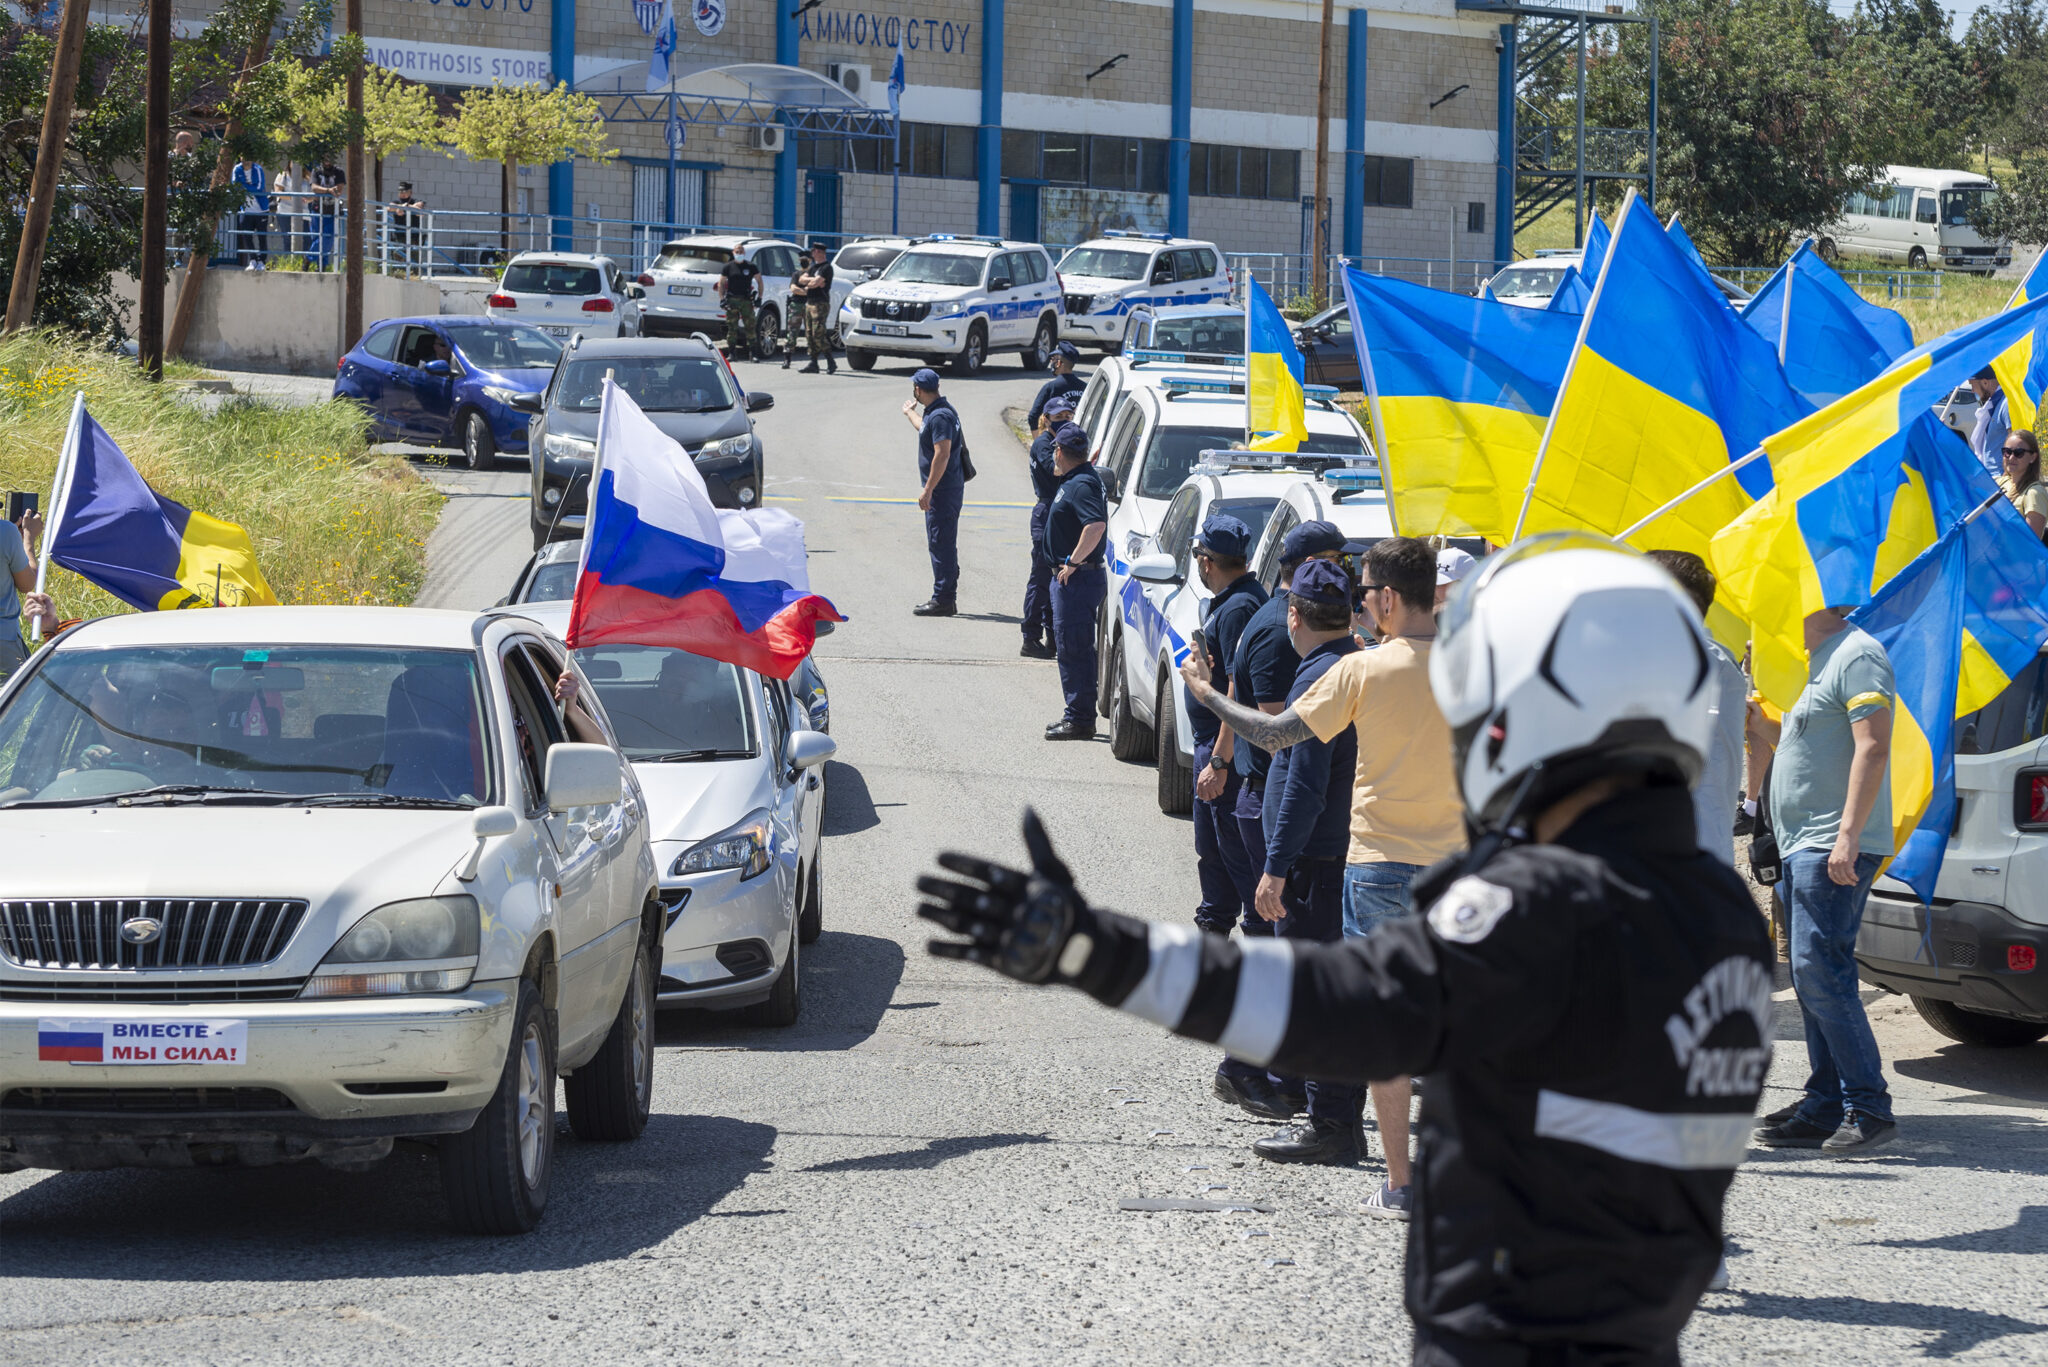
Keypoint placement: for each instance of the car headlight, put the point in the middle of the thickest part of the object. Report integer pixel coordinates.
(947, 310)
(427, 944)
(571, 447)
(743, 847)
(742, 445)
(503, 394)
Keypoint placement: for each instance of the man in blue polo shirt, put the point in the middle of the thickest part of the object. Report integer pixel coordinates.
(1074, 528)
(1222, 865)
(939, 465)
(1044, 484)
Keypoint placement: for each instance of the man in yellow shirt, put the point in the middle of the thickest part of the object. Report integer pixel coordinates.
(1405, 809)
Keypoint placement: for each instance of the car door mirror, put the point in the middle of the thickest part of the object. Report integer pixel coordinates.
(1156, 568)
(582, 776)
(757, 402)
(1163, 276)
(434, 367)
(527, 403)
(808, 750)
(635, 292)
(490, 822)
(1111, 487)
(999, 284)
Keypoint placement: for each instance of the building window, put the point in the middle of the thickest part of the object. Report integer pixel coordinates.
(1389, 182)
(1152, 166)
(1020, 154)
(1475, 216)
(1113, 163)
(1065, 160)
(932, 149)
(1243, 172)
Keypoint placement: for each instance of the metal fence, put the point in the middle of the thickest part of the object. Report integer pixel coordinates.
(1288, 277)
(1894, 284)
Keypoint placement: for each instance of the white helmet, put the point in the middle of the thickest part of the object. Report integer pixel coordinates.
(1565, 658)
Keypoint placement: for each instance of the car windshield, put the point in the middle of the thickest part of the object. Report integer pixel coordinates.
(551, 583)
(670, 705)
(1253, 512)
(550, 277)
(1960, 207)
(1174, 451)
(506, 348)
(247, 723)
(865, 258)
(1105, 263)
(659, 384)
(1521, 282)
(1223, 333)
(936, 268)
(678, 256)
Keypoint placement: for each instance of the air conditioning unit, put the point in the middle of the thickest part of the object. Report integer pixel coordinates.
(856, 77)
(767, 137)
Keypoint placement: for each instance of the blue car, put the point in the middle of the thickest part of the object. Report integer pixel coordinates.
(450, 382)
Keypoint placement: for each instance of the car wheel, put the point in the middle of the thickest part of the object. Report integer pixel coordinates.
(767, 326)
(479, 447)
(1176, 784)
(1039, 354)
(611, 1096)
(810, 922)
(859, 359)
(786, 999)
(1917, 259)
(1129, 738)
(1974, 1027)
(495, 1174)
(1828, 251)
(971, 356)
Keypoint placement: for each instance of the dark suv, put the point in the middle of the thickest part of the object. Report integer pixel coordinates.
(681, 384)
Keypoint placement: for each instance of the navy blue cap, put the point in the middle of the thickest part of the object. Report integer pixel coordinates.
(1068, 350)
(1322, 581)
(926, 378)
(1311, 538)
(1070, 437)
(1224, 535)
(1060, 403)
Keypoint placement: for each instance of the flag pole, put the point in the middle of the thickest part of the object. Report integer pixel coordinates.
(60, 499)
(1730, 468)
(1585, 324)
(1785, 307)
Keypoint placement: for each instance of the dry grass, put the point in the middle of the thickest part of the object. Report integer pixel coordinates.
(331, 523)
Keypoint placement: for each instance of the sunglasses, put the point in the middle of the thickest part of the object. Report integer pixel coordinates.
(2020, 451)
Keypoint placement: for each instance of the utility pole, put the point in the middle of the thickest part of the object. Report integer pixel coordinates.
(156, 178)
(1319, 221)
(42, 194)
(352, 280)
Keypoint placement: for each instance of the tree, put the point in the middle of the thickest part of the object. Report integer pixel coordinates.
(398, 115)
(525, 124)
(1926, 61)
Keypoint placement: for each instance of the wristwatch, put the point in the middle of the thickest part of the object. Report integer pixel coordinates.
(1217, 762)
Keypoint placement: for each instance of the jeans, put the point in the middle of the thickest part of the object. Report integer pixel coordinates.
(1225, 871)
(1847, 1072)
(252, 237)
(1038, 588)
(942, 538)
(1073, 628)
(1374, 892)
(1314, 899)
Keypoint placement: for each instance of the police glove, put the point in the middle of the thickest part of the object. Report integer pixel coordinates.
(1034, 927)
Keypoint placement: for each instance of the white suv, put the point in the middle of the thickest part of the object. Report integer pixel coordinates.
(682, 286)
(1104, 279)
(956, 300)
(567, 294)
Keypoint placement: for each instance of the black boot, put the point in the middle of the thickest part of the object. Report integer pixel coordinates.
(1312, 1141)
(810, 369)
(1256, 1093)
(935, 607)
(831, 366)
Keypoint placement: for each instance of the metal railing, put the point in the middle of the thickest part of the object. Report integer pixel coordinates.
(1287, 276)
(1893, 284)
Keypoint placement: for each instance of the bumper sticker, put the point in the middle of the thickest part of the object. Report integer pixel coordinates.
(131, 1042)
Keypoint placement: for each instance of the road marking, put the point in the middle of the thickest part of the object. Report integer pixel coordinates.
(913, 501)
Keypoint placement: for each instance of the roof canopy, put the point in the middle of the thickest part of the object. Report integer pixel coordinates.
(740, 93)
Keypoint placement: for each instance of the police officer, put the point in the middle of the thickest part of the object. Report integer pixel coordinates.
(1589, 991)
(1038, 634)
(940, 463)
(1064, 381)
(739, 285)
(1223, 867)
(816, 283)
(1074, 528)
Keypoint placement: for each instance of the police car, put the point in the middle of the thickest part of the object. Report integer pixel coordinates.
(1117, 375)
(1165, 602)
(956, 300)
(682, 285)
(1106, 279)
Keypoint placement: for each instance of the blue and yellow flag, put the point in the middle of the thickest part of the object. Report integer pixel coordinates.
(1595, 247)
(1665, 389)
(1959, 623)
(1682, 239)
(151, 552)
(1864, 485)
(2022, 369)
(1460, 389)
(1829, 338)
(1276, 417)
(1573, 293)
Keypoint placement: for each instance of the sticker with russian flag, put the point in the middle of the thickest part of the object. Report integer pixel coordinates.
(132, 1042)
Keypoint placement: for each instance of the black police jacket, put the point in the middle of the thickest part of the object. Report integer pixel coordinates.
(1594, 1017)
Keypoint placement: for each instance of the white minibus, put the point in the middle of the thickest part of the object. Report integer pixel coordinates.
(1921, 217)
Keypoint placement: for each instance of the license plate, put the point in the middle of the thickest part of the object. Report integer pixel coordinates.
(554, 331)
(127, 1043)
(686, 289)
(891, 330)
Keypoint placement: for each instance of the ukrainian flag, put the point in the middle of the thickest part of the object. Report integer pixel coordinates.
(1666, 387)
(1959, 624)
(2022, 369)
(111, 528)
(1829, 338)
(1275, 407)
(1460, 389)
(1682, 240)
(1595, 247)
(1573, 293)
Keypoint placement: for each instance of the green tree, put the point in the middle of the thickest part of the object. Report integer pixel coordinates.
(398, 115)
(1929, 65)
(517, 125)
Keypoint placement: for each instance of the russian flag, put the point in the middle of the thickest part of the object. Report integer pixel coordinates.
(69, 1046)
(663, 567)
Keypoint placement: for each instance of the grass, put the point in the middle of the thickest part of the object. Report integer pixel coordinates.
(331, 523)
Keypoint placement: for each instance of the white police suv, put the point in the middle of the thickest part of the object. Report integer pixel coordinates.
(955, 300)
(1105, 280)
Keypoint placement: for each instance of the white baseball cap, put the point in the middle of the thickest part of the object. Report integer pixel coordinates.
(1453, 564)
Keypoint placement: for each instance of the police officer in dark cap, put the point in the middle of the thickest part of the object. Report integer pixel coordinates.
(1064, 381)
(1074, 529)
(1222, 866)
(1044, 484)
(941, 456)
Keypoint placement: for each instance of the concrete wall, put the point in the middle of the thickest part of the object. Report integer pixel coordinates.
(282, 320)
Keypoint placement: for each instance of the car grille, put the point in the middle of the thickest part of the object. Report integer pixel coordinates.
(1977, 251)
(144, 1100)
(894, 310)
(1080, 303)
(195, 932)
(140, 989)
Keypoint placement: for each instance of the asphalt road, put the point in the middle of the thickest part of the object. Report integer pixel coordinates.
(925, 1168)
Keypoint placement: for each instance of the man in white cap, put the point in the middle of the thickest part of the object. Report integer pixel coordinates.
(1452, 564)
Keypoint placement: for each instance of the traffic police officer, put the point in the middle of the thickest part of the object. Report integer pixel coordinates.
(739, 285)
(1044, 484)
(1588, 991)
(1064, 381)
(941, 462)
(1074, 528)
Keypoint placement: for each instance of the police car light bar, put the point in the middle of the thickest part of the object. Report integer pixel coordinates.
(1173, 386)
(1325, 463)
(1346, 482)
(1143, 356)
(1128, 232)
(961, 237)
